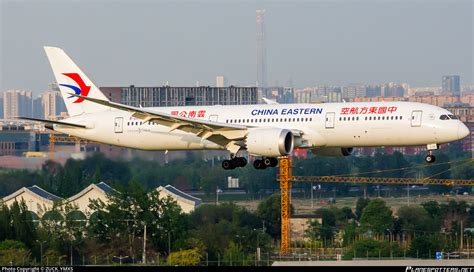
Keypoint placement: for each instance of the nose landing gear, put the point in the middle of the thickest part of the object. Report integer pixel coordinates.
(430, 158)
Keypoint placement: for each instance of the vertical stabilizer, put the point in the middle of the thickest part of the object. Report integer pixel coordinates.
(72, 80)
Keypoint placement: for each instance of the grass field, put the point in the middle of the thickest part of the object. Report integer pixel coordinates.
(303, 205)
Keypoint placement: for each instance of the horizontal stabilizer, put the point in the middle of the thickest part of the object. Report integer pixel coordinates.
(52, 122)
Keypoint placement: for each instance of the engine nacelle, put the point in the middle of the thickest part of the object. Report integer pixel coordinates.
(269, 142)
(333, 151)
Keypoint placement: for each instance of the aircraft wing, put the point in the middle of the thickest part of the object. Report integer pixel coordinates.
(230, 136)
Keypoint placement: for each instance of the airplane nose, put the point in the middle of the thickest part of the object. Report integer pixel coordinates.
(463, 131)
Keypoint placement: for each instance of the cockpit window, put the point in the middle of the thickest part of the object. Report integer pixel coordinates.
(444, 117)
(454, 117)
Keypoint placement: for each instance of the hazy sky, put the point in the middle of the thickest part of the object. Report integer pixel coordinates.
(119, 43)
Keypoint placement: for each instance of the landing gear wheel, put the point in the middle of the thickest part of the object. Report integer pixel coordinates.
(274, 162)
(267, 162)
(228, 164)
(430, 158)
(258, 164)
(242, 162)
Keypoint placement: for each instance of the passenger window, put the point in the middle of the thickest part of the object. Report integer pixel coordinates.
(366, 118)
(400, 118)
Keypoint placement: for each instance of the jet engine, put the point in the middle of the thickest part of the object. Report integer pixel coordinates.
(269, 142)
(333, 151)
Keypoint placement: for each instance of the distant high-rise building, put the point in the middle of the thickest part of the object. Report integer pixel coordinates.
(261, 50)
(221, 81)
(451, 84)
(17, 103)
(282, 95)
(52, 102)
(354, 91)
(374, 90)
(393, 89)
(38, 110)
(318, 94)
(1, 106)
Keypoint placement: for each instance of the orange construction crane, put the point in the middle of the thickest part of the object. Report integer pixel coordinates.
(373, 180)
(64, 138)
(286, 179)
(285, 191)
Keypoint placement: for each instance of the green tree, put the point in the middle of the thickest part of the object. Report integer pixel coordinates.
(360, 206)
(453, 213)
(22, 224)
(377, 217)
(415, 219)
(14, 253)
(423, 246)
(234, 256)
(269, 210)
(120, 221)
(5, 227)
(372, 249)
(188, 257)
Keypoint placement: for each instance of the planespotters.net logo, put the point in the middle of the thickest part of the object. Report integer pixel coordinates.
(439, 269)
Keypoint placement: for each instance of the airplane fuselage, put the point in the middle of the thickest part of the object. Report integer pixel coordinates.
(362, 124)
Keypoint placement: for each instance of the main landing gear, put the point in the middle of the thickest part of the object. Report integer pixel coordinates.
(265, 162)
(430, 158)
(234, 162)
(260, 164)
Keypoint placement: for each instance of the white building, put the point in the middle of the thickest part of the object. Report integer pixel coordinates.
(36, 199)
(92, 192)
(187, 202)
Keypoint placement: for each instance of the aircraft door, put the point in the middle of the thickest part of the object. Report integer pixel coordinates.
(118, 125)
(330, 119)
(416, 118)
(213, 118)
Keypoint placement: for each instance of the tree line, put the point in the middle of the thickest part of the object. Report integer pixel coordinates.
(194, 173)
(116, 228)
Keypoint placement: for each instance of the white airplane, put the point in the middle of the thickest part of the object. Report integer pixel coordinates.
(267, 131)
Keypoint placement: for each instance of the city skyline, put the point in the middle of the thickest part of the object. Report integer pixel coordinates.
(311, 44)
